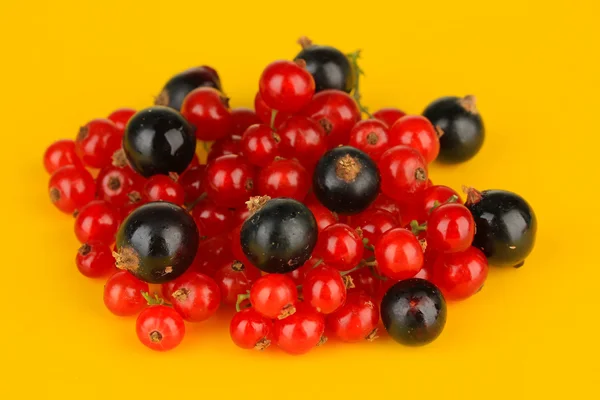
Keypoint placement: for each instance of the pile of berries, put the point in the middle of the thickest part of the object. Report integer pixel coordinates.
(308, 219)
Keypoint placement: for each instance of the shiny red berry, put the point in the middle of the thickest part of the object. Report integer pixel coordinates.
(195, 296)
(164, 188)
(265, 113)
(322, 214)
(340, 246)
(301, 332)
(70, 188)
(370, 136)
(160, 328)
(324, 289)
(212, 254)
(121, 117)
(364, 281)
(229, 180)
(95, 259)
(59, 154)
(123, 294)
(286, 86)
(212, 219)
(437, 195)
(383, 202)
(224, 146)
(389, 115)
(299, 274)
(460, 275)
(97, 221)
(116, 185)
(417, 132)
(208, 111)
(260, 144)
(450, 228)
(97, 141)
(403, 172)
(235, 278)
(374, 223)
(399, 254)
(284, 178)
(302, 138)
(336, 112)
(356, 320)
(250, 330)
(241, 119)
(191, 181)
(274, 296)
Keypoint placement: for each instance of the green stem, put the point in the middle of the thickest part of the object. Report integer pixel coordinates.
(319, 262)
(353, 57)
(367, 245)
(436, 204)
(416, 228)
(206, 145)
(376, 274)
(195, 202)
(273, 116)
(240, 299)
(359, 266)
(153, 301)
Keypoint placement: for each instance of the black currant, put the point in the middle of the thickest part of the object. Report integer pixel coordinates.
(158, 140)
(157, 242)
(329, 67)
(413, 312)
(505, 226)
(280, 235)
(346, 180)
(180, 85)
(462, 126)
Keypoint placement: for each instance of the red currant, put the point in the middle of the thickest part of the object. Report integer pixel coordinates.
(425, 272)
(160, 328)
(250, 330)
(284, 178)
(235, 278)
(286, 86)
(241, 119)
(97, 221)
(384, 286)
(135, 201)
(59, 154)
(274, 296)
(212, 254)
(324, 289)
(417, 132)
(301, 332)
(123, 294)
(336, 112)
(389, 115)
(208, 111)
(259, 144)
(224, 146)
(265, 113)
(450, 228)
(437, 195)
(460, 275)
(356, 320)
(191, 181)
(299, 274)
(364, 281)
(403, 172)
(236, 246)
(240, 215)
(97, 141)
(383, 202)
(229, 180)
(370, 136)
(399, 254)
(375, 223)
(164, 188)
(115, 185)
(212, 220)
(322, 215)
(302, 138)
(195, 296)
(71, 188)
(340, 246)
(95, 259)
(121, 117)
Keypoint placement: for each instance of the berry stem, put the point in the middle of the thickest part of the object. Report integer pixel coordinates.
(436, 204)
(367, 245)
(416, 228)
(195, 202)
(273, 116)
(353, 57)
(376, 274)
(240, 299)
(153, 301)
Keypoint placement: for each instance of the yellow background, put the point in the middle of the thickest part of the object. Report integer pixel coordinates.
(533, 66)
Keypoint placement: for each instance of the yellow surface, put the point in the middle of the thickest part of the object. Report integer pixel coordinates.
(533, 65)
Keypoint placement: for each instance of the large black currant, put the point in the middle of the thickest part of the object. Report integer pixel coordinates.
(462, 126)
(280, 236)
(158, 140)
(157, 242)
(346, 180)
(505, 226)
(175, 90)
(329, 67)
(413, 312)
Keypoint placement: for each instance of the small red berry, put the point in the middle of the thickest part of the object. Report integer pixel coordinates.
(211, 219)
(299, 274)
(301, 332)
(389, 115)
(370, 136)
(95, 259)
(437, 195)
(235, 278)
(116, 185)
(274, 296)
(375, 223)
(97, 221)
(195, 296)
(224, 146)
(164, 188)
(399, 254)
(340, 246)
(260, 144)
(160, 328)
(59, 154)
(70, 188)
(284, 178)
(302, 138)
(229, 180)
(123, 294)
(191, 181)
(383, 202)
(356, 320)
(425, 272)
(97, 141)
(324, 289)
(417, 132)
(241, 119)
(403, 172)
(250, 330)
(450, 228)
(121, 117)
(208, 111)
(322, 214)
(460, 275)
(364, 281)
(265, 113)
(212, 254)
(286, 86)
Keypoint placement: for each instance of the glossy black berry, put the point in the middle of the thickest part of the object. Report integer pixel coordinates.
(413, 312)
(280, 236)
(346, 180)
(157, 242)
(505, 226)
(462, 126)
(158, 140)
(180, 85)
(329, 67)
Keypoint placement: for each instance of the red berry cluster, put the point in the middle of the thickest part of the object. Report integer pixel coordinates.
(412, 228)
